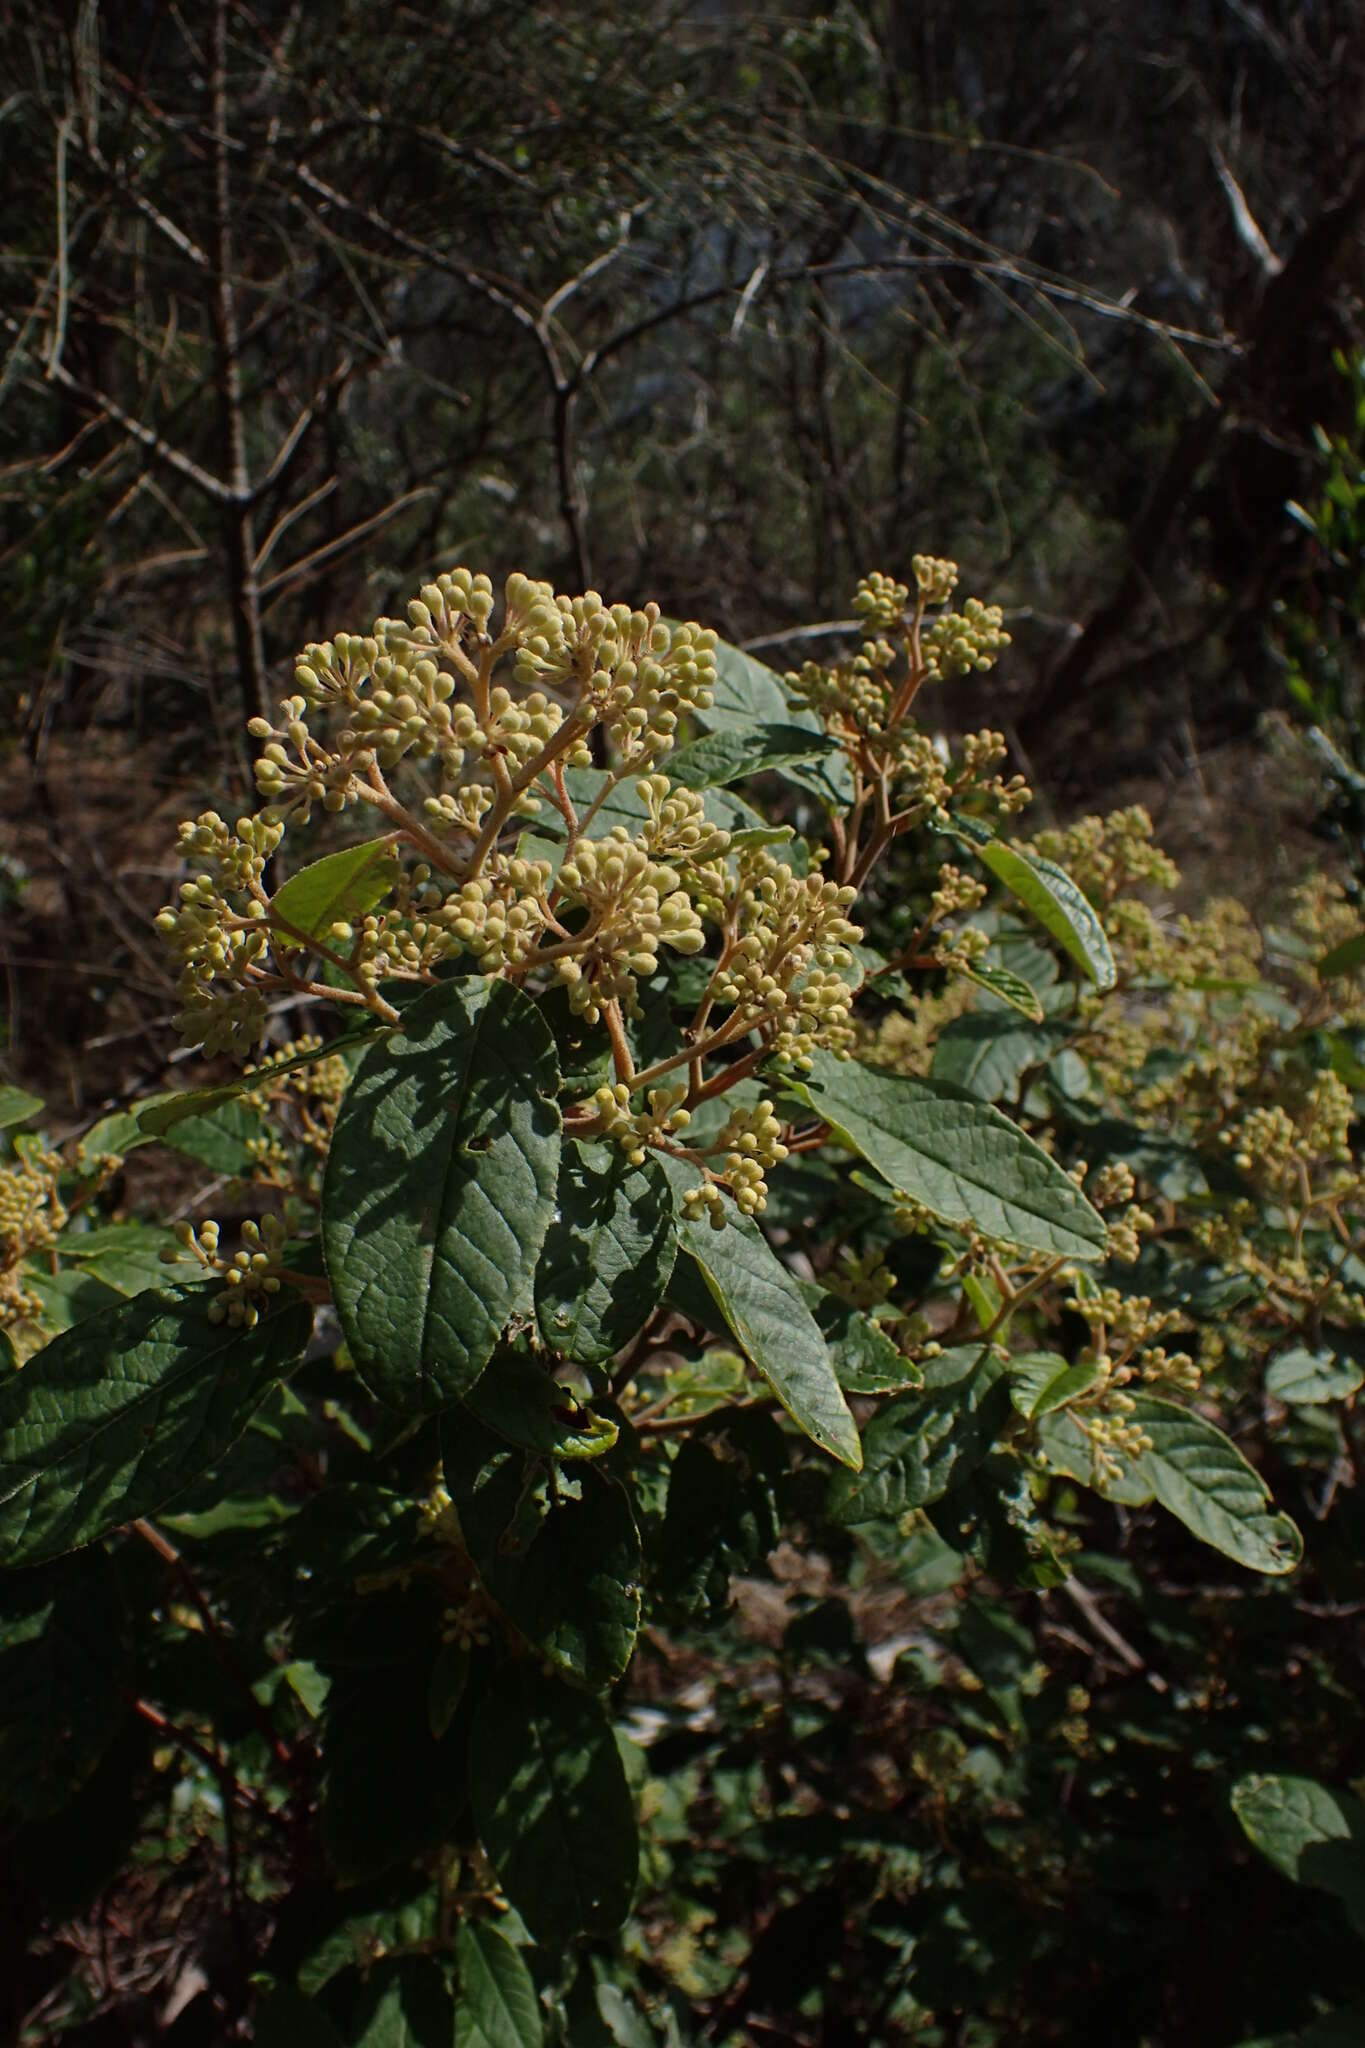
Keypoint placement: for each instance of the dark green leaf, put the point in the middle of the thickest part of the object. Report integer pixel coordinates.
(920, 1445)
(762, 1304)
(1195, 1472)
(121, 1413)
(440, 1187)
(498, 2007)
(1306, 1378)
(961, 1158)
(566, 1571)
(748, 694)
(222, 1137)
(1203, 1479)
(553, 1807)
(403, 2003)
(517, 1397)
(864, 1358)
(125, 1256)
(1067, 1447)
(608, 1253)
(1312, 1834)
(733, 754)
(353, 1925)
(1040, 1381)
(989, 1055)
(623, 805)
(723, 1516)
(1344, 958)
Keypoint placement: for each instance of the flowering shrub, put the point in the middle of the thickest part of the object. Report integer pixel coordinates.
(694, 1179)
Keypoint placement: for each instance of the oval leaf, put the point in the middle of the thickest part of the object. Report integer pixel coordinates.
(336, 889)
(1306, 1379)
(498, 2007)
(440, 1187)
(401, 2003)
(864, 1358)
(961, 1158)
(920, 1445)
(1205, 1482)
(553, 1807)
(565, 1571)
(762, 1304)
(748, 695)
(1310, 1833)
(989, 1055)
(122, 1412)
(1041, 1382)
(608, 1253)
(17, 1106)
(732, 754)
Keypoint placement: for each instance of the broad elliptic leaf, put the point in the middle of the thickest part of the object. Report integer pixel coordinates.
(608, 1253)
(1306, 1379)
(723, 1515)
(989, 1055)
(1067, 1447)
(334, 890)
(440, 1187)
(497, 2007)
(121, 1413)
(864, 1358)
(125, 1256)
(1041, 1381)
(1194, 1471)
(738, 752)
(748, 694)
(762, 1304)
(1205, 1482)
(1060, 905)
(963, 1159)
(919, 1446)
(1310, 1833)
(222, 1136)
(565, 1570)
(17, 1106)
(552, 1806)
